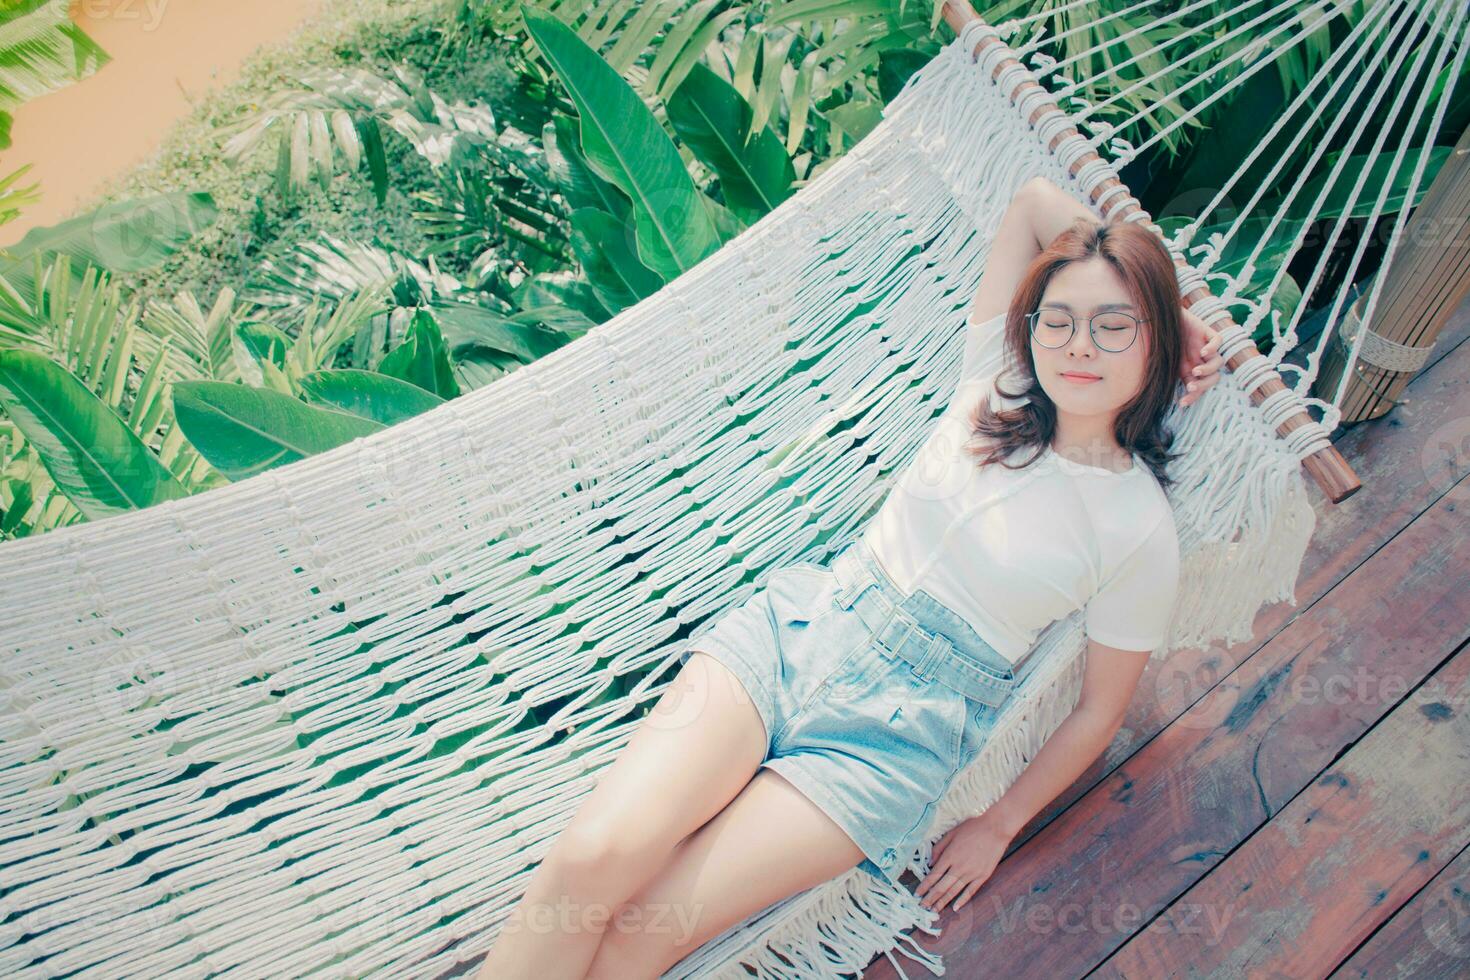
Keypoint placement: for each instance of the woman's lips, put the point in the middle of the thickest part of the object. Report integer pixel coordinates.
(1080, 379)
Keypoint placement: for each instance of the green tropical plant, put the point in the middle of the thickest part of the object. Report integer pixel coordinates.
(84, 402)
(41, 50)
(13, 198)
(243, 430)
(490, 326)
(422, 359)
(94, 457)
(339, 113)
(625, 145)
(368, 395)
(754, 171)
(295, 403)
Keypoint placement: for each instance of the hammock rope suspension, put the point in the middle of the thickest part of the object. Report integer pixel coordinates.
(1308, 437)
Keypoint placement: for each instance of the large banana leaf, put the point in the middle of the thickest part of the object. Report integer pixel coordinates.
(521, 338)
(1380, 167)
(565, 289)
(368, 395)
(581, 187)
(92, 455)
(422, 359)
(242, 431)
(603, 244)
(625, 144)
(716, 123)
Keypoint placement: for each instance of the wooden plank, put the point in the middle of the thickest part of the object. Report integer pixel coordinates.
(1428, 937)
(1298, 897)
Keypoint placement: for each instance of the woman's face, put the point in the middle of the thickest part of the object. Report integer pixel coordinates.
(1089, 288)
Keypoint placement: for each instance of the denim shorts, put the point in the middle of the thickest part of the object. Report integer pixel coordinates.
(872, 700)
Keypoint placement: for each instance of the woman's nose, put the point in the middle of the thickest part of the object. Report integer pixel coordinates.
(1081, 342)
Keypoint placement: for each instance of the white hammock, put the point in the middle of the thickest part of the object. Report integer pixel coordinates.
(326, 720)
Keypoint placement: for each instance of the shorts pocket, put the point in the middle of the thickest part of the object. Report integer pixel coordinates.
(961, 725)
(800, 593)
(951, 711)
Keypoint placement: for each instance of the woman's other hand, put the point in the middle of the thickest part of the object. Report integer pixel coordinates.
(964, 858)
(1202, 362)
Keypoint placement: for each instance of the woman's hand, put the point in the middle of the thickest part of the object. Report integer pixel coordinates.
(963, 860)
(1202, 362)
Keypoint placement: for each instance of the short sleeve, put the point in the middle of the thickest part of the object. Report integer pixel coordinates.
(984, 362)
(1132, 610)
(984, 348)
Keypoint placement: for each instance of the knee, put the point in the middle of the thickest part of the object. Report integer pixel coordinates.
(592, 851)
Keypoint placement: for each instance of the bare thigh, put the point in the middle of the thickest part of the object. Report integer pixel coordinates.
(692, 753)
(769, 843)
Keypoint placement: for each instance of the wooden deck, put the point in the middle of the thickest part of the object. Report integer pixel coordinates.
(1298, 806)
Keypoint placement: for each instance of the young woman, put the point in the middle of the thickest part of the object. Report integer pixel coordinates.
(821, 721)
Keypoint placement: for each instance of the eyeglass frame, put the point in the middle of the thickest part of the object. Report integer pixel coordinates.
(1031, 318)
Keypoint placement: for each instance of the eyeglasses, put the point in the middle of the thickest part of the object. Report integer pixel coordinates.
(1111, 331)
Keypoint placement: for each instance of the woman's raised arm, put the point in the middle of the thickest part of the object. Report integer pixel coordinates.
(1039, 211)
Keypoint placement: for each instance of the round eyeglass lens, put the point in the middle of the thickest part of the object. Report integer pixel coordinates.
(1112, 331)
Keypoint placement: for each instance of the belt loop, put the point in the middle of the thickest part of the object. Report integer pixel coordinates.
(938, 648)
(847, 593)
(850, 579)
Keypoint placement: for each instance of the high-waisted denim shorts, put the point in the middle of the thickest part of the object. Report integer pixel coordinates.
(872, 700)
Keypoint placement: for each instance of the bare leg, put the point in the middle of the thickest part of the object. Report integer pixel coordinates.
(770, 842)
(692, 754)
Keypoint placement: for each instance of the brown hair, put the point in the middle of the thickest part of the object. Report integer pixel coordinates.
(1145, 266)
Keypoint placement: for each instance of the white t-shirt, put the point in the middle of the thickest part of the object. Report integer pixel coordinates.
(1011, 562)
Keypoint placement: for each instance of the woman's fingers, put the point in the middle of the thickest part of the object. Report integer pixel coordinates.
(966, 895)
(1196, 388)
(950, 884)
(1202, 376)
(1209, 364)
(931, 880)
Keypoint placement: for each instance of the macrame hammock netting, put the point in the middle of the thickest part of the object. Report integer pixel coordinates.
(325, 721)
